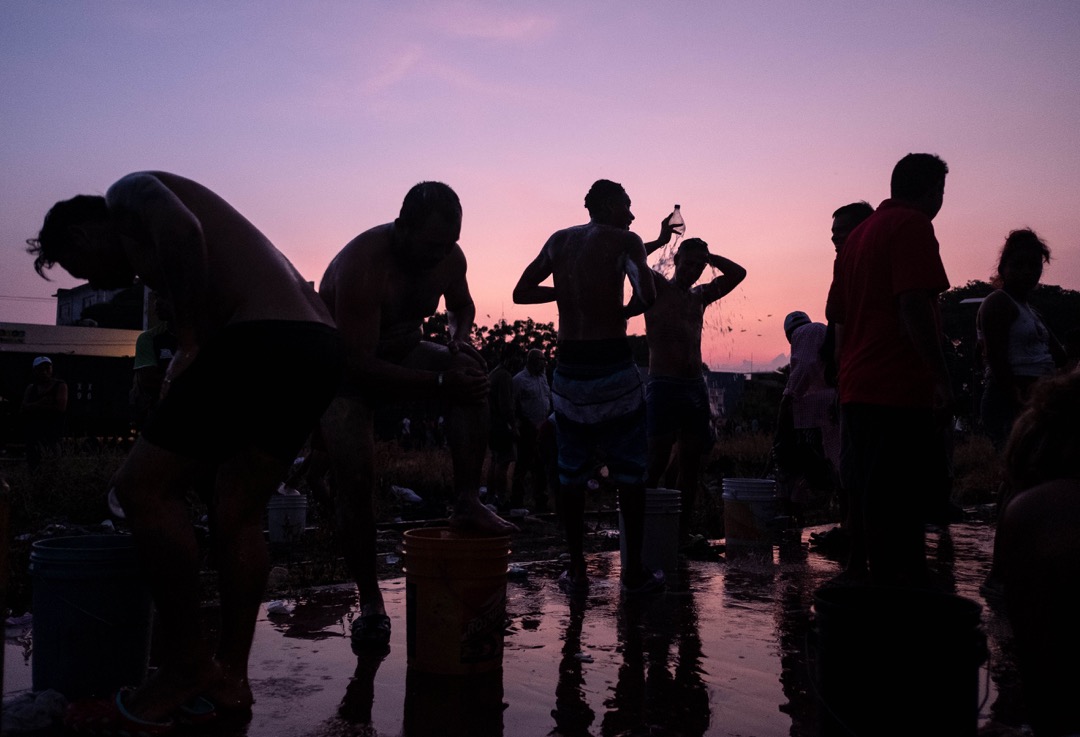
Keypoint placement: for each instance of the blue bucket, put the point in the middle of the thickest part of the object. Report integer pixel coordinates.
(92, 615)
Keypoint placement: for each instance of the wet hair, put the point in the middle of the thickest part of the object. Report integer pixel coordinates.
(1019, 242)
(692, 244)
(427, 198)
(1045, 440)
(916, 175)
(55, 236)
(601, 193)
(856, 212)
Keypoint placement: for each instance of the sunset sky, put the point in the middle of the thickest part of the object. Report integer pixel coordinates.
(760, 118)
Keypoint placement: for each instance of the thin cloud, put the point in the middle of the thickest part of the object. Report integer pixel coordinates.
(470, 20)
(395, 70)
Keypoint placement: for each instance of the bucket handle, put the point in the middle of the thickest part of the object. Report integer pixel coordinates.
(90, 614)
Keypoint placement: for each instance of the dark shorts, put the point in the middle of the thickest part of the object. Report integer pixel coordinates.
(599, 413)
(263, 384)
(678, 407)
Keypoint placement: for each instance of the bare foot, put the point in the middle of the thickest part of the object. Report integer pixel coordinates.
(471, 516)
(170, 688)
(230, 692)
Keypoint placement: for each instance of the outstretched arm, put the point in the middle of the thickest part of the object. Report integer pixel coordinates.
(731, 275)
(529, 290)
(663, 239)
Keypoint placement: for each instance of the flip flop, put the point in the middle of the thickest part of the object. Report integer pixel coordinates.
(203, 711)
(573, 586)
(370, 633)
(109, 717)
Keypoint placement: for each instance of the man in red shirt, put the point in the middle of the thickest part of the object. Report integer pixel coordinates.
(894, 384)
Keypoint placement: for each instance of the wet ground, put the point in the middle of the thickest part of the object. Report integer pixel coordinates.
(727, 650)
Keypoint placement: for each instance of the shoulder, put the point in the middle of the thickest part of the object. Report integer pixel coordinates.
(997, 303)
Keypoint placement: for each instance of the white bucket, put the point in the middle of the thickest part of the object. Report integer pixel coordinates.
(286, 517)
(749, 507)
(660, 546)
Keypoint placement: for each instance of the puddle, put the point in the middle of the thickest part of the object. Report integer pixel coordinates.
(722, 652)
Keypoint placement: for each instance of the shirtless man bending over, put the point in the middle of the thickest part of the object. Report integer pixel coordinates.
(677, 399)
(597, 390)
(234, 296)
(379, 288)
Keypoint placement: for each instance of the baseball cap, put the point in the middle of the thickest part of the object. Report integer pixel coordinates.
(795, 320)
(40, 360)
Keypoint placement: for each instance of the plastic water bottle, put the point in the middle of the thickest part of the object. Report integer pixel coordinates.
(678, 225)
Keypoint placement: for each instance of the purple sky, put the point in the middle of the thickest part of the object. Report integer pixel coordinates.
(759, 118)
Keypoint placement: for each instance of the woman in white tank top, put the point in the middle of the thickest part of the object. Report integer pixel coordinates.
(1017, 347)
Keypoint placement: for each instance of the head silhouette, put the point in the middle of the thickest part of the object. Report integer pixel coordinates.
(847, 218)
(920, 180)
(57, 235)
(1022, 258)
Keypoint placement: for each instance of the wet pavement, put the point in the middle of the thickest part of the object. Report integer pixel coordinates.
(726, 650)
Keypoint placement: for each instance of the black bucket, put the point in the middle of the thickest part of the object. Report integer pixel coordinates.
(92, 615)
(894, 661)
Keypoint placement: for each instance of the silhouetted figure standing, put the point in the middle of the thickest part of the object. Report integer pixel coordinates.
(532, 405)
(895, 391)
(502, 428)
(43, 408)
(597, 390)
(808, 429)
(679, 415)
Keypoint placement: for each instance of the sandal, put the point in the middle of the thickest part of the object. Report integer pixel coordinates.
(203, 711)
(106, 718)
(574, 586)
(370, 633)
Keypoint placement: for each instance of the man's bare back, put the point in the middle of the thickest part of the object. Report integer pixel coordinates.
(238, 277)
(381, 300)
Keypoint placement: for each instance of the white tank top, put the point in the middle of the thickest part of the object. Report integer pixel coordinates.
(1029, 343)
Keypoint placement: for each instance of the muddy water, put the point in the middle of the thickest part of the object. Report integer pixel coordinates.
(722, 652)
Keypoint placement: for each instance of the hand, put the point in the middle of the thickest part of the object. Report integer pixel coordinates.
(665, 230)
(183, 358)
(466, 386)
(456, 346)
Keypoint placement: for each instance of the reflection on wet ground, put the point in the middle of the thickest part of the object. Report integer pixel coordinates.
(723, 652)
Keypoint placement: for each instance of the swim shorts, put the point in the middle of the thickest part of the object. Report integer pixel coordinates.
(261, 383)
(678, 406)
(599, 403)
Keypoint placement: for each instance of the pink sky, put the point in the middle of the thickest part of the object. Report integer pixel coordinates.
(759, 118)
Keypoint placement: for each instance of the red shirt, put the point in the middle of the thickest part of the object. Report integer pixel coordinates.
(891, 252)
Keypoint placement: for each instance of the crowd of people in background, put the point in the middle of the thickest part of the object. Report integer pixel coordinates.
(866, 413)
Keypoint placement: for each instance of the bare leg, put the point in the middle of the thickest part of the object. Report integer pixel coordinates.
(348, 432)
(691, 449)
(242, 488)
(659, 457)
(572, 510)
(151, 486)
(468, 431)
(632, 505)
